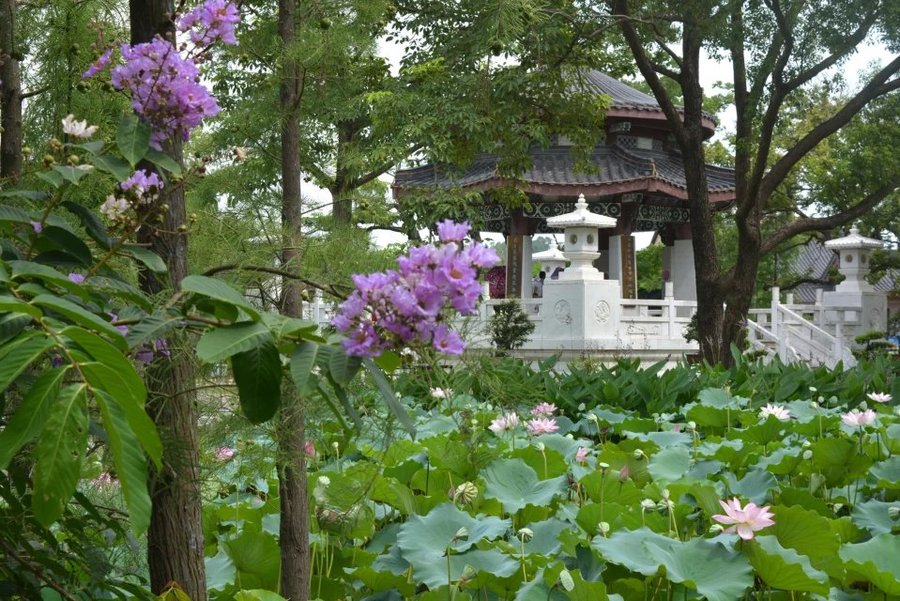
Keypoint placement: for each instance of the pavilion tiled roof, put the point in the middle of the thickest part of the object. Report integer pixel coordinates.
(555, 166)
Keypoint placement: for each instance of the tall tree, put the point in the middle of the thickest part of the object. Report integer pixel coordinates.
(175, 537)
(291, 428)
(10, 93)
(776, 48)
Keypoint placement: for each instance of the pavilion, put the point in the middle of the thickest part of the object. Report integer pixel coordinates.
(639, 180)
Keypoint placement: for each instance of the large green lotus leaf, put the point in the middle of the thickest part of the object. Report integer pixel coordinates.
(257, 559)
(611, 487)
(450, 454)
(719, 398)
(662, 439)
(546, 537)
(781, 461)
(670, 464)
(809, 534)
(701, 564)
(391, 562)
(561, 444)
(585, 590)
(424, 541)
(515, 485)
(554, 462)
(877, 560)
(888, 473)
(631, 549)
(838, 459)
(220, 571)
(755, 485)
(782, 568)
(537, 590)
(892, 436)
(706, 566)
(873, 516)
(805, 499)
(768, 431)
(708, 417)
(434, 573)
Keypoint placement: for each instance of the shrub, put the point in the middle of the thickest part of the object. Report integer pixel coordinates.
(510, 326)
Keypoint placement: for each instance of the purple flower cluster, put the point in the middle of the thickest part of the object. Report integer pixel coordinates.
(144, 185)
(165, 89)
(99, 65)
(408, 306)
(212, 21)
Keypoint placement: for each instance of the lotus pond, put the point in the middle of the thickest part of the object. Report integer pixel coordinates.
(616, 503)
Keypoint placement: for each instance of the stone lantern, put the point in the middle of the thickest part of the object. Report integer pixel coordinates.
(580, 309)
(853, 263)
(853, 253)
(550, 259)
(581, 229)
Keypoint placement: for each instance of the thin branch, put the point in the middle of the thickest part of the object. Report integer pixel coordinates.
(811, 224)
(39, 574)
(329, 288)
(35, 92)
(874, 89)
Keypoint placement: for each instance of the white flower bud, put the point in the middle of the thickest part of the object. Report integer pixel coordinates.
(894, 512)
(648, 505)
(639, 454)
(461, 534)
(566, 581)
(807, 455)
(603, 528)
(525, 534)
(603, 466)
(716, 528)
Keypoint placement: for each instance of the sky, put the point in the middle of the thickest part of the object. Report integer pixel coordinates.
(712, 71)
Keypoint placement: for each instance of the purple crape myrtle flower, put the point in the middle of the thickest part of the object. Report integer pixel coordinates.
(410, 306)
(165, 89)
(99, 65)
(144, 185)
(210, 22)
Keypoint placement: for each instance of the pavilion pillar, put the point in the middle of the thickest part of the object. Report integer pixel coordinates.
(602, 263)
(681, 268)
(518, 257)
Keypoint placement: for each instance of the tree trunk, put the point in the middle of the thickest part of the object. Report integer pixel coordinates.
(175, 539)
(710, 311)
(10, 95)
(290, 429)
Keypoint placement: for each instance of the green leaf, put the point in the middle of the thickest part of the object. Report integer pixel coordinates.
(388, 361)
(257, 373)
(59, 453)
(256, 557)
(20, 357)
(389, 398)
(10, 304)
(303, 359)
(516, 485)
(114, 165)
(82, 317)
(805, 531)
(424, 542)
(670, 464)
(220, 343)
(48, 275)
(876, 561)
(70, 173)
(92, 225)
(873, 516)
(14, 215)
(54, 178)
(218, 290)
(220, 571)
(30, 416)
(93, 147)
(114, 361)
(342, 366)
(784, 568)
(163, 161)
(131, 467)
(149, 258)
(258, 595)
(133, 139)
(152, 327)
(69, 242)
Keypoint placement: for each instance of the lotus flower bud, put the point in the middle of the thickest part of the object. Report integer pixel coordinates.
(716, 529)
(461, 534)
(525, 534)
(566, 581)
(639, 454)
(465, 493)
(894, 512)
(603, 528)
(648, 505)
(603, 466)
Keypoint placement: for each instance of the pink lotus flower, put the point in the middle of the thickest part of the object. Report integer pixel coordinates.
(224, 453)
(543, 410)
(504, 423)
(624, 473)
(581, 455)
(744, 520)
(542, 425)
(309, 449)
(880, 397)
(779, 411)
(859, 418)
